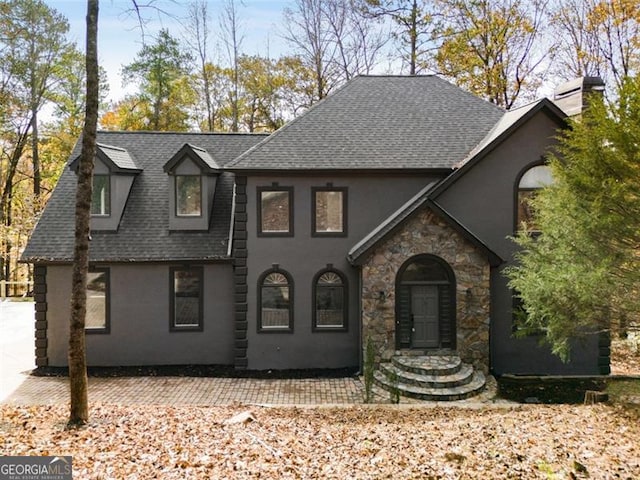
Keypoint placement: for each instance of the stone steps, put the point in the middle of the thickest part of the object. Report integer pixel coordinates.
(431, 377)
(428, 364)
(456, 379)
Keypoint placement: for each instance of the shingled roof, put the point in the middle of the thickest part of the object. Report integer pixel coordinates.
(144, 233)
(382, 123)
(117, 159)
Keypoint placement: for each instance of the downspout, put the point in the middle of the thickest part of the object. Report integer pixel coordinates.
(360, 334)
(233, 217)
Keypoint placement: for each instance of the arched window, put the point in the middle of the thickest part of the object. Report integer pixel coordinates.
(531, 180)
(329, 301)
(275, 297)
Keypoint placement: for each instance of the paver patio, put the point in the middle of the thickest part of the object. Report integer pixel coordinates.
(18, 387)
(192, 391)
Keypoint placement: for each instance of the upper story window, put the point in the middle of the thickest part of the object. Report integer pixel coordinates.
(192, 177)
(101, 195)
(188, 195)
(531, 180)
(186, 298)
(330, 301)
(329, 216)
(98, 298)
(275, 290)
(275, 211)
(114, 171)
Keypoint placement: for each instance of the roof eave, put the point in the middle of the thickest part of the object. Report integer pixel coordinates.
(356, 256)
(298, 171)
(544, 104)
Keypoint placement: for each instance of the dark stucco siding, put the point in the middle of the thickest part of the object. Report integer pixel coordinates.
(483, 200)
(139, 333)
(371, 199)
(526, 356)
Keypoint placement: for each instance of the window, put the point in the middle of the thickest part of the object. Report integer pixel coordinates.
(275, 211)
(97, 319)
(186, 299)
(188, 195)
(533, 179)
(329, 211)
(519, 324)
(101, 195)
(330, 301)
(275, 291)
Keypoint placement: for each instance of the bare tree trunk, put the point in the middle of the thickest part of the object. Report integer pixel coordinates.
(413, 35)
(6, 199)
(35, 155)
(233, 40)
(79, 408)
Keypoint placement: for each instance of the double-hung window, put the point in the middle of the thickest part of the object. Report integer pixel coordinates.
(275, 211)
(275, 290)
(101, 196)
(330, 301)
(186, 298)
(188, 195)
(98, 297)
(329, 215)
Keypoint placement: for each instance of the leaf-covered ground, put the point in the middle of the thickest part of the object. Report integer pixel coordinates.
(529, 441)
(625, 356)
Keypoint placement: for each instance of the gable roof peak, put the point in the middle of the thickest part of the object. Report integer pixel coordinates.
(198, 154)
(117, 159)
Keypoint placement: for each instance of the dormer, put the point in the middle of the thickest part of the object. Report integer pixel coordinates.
(192, 181)
(114, 171)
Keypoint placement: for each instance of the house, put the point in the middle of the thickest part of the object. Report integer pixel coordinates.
(382, 215)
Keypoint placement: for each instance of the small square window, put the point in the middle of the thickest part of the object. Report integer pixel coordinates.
(101, 195)
(329, 211)
(188, 195)
(97, 317)
(186, 298)
(275, 211)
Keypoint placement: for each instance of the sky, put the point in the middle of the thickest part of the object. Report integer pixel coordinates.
(120, 38)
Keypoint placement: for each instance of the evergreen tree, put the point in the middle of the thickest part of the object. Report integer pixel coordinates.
(580, 276)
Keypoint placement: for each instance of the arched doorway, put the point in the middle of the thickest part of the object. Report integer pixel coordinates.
(425, 304)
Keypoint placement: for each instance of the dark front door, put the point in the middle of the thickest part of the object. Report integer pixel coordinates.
(425, 331)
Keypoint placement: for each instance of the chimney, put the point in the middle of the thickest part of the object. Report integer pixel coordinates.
(573, 96)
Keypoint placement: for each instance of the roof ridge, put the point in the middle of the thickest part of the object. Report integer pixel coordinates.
(195, 147)
(167, 132)
(112, 147)
(396, 75)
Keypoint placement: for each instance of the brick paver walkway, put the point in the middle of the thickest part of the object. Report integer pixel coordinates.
(192, 391)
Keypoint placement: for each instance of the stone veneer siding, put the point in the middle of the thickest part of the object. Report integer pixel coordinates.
(239, 253)
(427, 233)
(40, 297)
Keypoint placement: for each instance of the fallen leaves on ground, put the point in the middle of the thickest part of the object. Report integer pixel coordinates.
(529, 441)
(625, 356)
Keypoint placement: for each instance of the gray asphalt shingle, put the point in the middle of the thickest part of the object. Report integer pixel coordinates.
(379, 122)
(144, 233)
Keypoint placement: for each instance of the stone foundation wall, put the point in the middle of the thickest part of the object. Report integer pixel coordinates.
(426, 233)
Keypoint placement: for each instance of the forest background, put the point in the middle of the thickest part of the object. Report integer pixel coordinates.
(195, 70)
